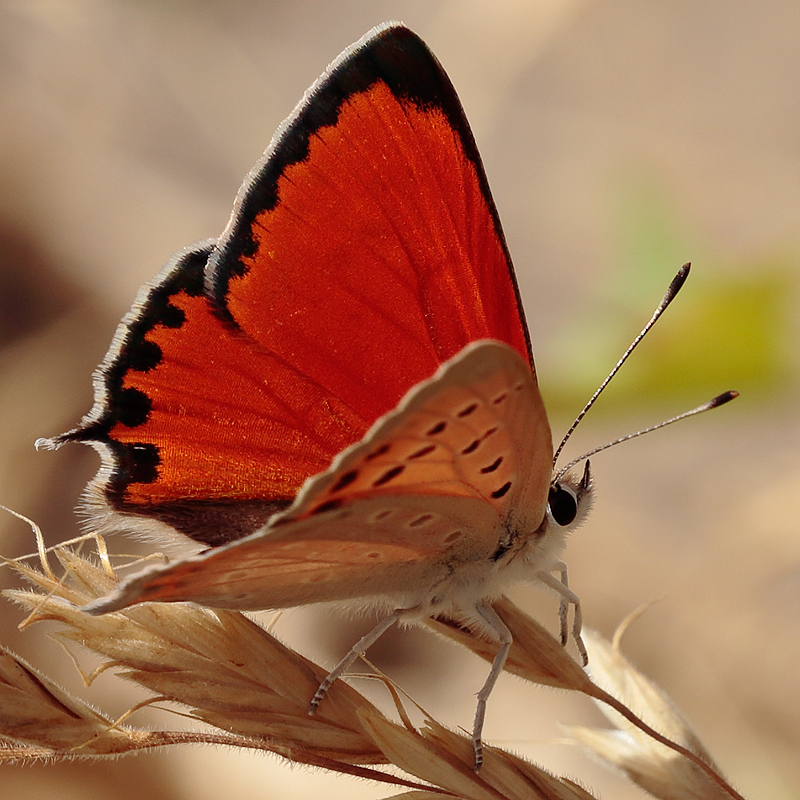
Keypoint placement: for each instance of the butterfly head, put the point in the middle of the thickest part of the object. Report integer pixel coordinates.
(570, 499)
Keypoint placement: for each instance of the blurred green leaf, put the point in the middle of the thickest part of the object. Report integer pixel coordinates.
(730, 328)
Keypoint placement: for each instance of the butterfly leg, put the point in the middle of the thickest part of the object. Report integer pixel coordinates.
(568, 597)
(503, 634)
(358, 650)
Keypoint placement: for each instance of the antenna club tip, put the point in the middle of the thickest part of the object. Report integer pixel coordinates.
(679, 280)
(676, 285)
(723, 398)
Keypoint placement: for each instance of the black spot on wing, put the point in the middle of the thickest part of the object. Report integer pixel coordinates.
(389, 475)
(465, 412)
(328, 505)
(145, 357)
(493, 466)
(138, 462)
(379, 451)
(345, 480)
(476, 443)
(502, 491)
(132, 407)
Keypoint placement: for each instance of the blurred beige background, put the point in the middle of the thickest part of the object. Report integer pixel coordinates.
(621, 138)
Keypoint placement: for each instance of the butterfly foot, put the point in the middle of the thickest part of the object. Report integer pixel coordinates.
(319, 695)
(576, 635)
(477, 748)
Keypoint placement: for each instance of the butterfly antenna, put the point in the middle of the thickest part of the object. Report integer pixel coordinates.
(717, 401)
(672, 291)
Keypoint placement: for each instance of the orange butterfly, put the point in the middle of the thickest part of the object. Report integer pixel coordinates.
(339, 396)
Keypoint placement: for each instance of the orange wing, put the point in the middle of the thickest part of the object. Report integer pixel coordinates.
(363, 252)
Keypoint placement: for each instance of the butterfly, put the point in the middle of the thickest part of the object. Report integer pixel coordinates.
(338, 397)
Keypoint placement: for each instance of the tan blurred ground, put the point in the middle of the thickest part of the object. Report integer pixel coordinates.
(125, 131)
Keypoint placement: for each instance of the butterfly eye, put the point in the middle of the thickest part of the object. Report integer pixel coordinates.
(563, 505)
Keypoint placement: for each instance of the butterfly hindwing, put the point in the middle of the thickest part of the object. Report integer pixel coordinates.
(439, 481)
(477, 429)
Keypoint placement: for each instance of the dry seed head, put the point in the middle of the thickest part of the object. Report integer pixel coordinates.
(231, 673)
(657, 769)
(446, 759)
(35, 711)
(237, 677)
(535, 654)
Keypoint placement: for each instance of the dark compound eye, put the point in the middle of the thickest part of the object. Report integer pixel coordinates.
(563, 505)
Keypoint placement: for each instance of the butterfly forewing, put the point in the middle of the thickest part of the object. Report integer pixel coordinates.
(437, 481)
(364, 251)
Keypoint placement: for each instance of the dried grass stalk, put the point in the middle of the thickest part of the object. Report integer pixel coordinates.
(239, 679)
